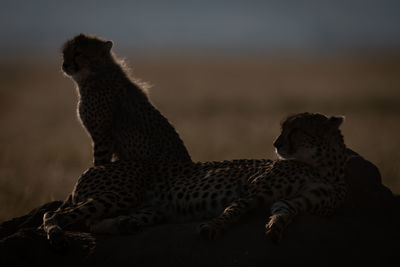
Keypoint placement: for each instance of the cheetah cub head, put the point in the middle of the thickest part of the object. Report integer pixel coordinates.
(307, 137)
(84, 54)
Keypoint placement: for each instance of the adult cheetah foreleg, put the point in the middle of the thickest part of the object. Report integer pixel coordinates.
(214, 228)
(320, 199)
(130, 224)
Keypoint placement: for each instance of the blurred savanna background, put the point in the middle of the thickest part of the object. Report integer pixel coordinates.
(225, 73)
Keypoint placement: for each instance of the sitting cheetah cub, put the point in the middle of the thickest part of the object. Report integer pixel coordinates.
(114, 110)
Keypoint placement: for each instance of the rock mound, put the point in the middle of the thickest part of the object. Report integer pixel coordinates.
(365, 232)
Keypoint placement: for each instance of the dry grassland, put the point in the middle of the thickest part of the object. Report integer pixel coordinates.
(222, 108)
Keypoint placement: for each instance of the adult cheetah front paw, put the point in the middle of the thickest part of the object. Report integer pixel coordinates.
(57, 238)
(275, 227)
(209, 232)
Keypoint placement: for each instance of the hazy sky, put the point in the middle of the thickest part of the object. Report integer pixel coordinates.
(43, 25)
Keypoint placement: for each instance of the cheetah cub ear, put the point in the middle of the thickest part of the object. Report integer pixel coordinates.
(108, 45)
(335, 121)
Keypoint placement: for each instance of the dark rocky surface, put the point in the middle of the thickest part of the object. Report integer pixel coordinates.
(364, 232)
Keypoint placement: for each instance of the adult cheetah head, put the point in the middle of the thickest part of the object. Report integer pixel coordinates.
(85, 53)
(304, 136)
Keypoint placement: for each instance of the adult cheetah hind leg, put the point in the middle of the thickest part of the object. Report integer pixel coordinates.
(83, 212)
(53, 223)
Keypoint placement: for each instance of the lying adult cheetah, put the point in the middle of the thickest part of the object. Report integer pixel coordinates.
(113, 108)
(309, 178)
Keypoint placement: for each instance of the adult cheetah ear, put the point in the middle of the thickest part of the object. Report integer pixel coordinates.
(335, 121)
(108, 45)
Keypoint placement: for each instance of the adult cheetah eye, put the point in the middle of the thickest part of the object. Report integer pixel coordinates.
(307, 134)
(299, 134)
